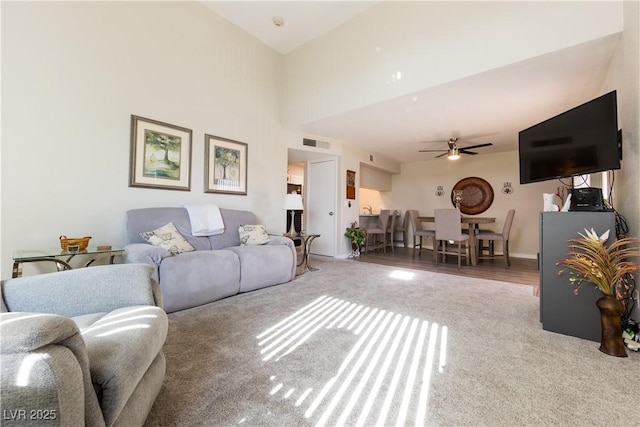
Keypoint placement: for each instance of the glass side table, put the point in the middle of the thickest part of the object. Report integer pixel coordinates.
(61, 258)
(306, 240)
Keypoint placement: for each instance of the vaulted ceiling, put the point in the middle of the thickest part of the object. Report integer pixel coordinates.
(488, 107)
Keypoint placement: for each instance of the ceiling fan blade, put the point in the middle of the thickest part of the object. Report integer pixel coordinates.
(441, 155)
(431, 151)
(462, 151)
(476, 146)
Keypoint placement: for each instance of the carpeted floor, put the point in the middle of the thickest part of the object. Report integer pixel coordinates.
(363, 344)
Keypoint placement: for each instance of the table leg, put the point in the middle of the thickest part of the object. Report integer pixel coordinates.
(60, 265)
(472, 244)
(308, 250)
(17, 269)
(111, 256)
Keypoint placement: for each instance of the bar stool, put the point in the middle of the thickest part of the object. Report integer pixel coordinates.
(391, 224)
(373, 233)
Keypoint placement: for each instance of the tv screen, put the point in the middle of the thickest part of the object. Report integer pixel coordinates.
(580, 141)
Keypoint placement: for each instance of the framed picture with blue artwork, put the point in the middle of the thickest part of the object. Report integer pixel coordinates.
(226, 165)
(160, 155)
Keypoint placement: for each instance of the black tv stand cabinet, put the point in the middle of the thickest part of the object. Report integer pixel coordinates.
(560, 310)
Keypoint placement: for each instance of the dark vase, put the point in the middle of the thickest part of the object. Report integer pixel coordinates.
(611, 319)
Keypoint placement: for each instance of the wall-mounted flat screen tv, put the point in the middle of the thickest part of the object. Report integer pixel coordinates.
(580, 141)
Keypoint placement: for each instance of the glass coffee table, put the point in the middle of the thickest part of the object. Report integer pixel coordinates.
(61, 258)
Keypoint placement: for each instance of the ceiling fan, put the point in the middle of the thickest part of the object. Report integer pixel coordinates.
(453, 152)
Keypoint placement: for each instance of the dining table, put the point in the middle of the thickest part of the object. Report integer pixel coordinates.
(473, 222)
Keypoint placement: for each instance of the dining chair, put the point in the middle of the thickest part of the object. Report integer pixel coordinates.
(492, 237)
(391, 229)
(449, 229)
(374, 234)
(418, 232)
(401, 228)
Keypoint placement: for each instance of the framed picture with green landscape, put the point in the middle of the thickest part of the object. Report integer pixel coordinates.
(226, 165)
(160, 155)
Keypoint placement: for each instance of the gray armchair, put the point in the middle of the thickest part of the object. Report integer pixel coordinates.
(81, 347)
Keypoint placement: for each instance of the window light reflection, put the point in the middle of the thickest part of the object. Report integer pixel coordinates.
(384, 378)
(28, 362)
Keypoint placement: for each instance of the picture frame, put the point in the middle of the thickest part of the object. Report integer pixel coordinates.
(351, 185)
(226, 165)
(160, 155)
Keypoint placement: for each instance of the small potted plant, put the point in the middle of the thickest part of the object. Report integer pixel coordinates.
(356, 235)
(589, 259)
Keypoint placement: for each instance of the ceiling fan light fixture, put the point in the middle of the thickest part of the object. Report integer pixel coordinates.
(453, 154)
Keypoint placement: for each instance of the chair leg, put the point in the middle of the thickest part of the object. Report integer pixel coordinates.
(420, 250)
(413, 256)
(434, 246)
(459, 253)
(507, 261)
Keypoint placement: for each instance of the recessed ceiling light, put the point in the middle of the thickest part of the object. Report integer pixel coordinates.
(278, 21)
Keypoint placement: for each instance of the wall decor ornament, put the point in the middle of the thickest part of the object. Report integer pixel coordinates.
(507, 188)
(160, 155)
(225, 165)
(351, 185)
(458, 197)
(440, 191)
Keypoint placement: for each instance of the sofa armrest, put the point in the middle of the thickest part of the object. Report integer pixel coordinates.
(286, 241)
(81, 291)
(281, 240)
(144, 253)
(45, 374)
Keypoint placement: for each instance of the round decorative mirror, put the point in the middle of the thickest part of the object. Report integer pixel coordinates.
(477, 195)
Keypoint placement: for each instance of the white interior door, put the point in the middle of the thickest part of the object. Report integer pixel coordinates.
(320, 216)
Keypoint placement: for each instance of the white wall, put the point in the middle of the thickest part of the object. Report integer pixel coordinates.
(416, 186)
(374, 179)
(430, 43)
(74, 72)
(625, 78)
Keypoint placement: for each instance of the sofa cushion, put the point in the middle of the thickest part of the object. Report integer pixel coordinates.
(264, 265)
(169, 238)
(195, 278)
(121, 347)
(253, 235)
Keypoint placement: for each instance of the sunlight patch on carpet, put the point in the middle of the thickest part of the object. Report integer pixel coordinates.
(384, 377)
(402, 275)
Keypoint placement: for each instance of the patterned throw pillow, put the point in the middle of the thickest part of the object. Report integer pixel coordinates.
(253, 235)
(168, 237)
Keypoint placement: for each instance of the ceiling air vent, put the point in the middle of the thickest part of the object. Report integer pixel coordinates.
(315, 143)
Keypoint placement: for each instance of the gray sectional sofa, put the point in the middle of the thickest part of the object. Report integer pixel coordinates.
(218, 267)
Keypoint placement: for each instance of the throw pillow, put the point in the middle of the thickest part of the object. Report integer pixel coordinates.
(168, 237)
(253, 235)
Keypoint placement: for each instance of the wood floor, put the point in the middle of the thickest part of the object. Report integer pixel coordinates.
(523, 271)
